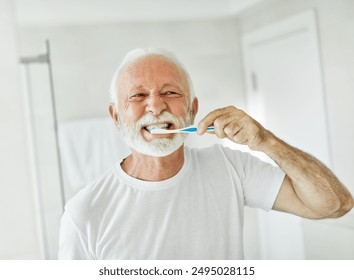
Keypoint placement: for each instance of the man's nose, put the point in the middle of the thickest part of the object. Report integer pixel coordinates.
(156, 105)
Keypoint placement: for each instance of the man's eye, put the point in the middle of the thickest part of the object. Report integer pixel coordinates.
(170, 93)
(137, 97)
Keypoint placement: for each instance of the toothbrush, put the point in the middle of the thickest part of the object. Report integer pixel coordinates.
(189, 129)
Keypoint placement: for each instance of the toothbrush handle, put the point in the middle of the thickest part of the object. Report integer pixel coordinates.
(193, 129)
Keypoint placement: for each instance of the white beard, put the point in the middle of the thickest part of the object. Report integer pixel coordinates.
(158, 147)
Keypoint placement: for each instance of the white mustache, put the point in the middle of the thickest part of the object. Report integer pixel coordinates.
(158, 147)
(148, 119)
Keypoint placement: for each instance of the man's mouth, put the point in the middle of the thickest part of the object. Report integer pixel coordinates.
(158, 126)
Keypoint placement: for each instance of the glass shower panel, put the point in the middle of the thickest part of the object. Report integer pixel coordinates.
(46, 169)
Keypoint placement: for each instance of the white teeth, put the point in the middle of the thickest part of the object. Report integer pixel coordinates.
(157, 126)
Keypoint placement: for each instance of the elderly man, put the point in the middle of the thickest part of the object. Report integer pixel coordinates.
(166, 201)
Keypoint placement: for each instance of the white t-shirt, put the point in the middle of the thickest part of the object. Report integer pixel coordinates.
(196, 214)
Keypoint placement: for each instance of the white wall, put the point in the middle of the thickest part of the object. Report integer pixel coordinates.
(18, 235)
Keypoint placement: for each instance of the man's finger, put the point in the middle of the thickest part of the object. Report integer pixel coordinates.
(210, 118)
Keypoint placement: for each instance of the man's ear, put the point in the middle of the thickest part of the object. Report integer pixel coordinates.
(195, 107)
(113, 114)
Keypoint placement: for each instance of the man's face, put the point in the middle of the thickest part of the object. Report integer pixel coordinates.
(153, 92)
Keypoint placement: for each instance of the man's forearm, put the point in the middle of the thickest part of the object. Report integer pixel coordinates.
(315, 185)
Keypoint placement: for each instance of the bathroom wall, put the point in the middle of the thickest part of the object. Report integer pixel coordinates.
(19, 231)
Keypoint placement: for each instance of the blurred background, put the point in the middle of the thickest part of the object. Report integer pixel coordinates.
(288, 63)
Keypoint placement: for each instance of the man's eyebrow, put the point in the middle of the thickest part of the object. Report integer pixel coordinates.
(171, 85)
(141, 87)
(136, 87)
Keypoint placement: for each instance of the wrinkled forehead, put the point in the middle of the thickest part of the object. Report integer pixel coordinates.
(153, 68)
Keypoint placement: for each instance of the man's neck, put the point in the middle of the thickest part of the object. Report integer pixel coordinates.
(150, 168)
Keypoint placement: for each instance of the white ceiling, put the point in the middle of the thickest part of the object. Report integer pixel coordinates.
(63, 12)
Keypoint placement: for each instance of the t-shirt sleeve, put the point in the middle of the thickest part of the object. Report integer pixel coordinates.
(72, 243)
(261, 181)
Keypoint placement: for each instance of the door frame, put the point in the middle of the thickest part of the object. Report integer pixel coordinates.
(294, 24)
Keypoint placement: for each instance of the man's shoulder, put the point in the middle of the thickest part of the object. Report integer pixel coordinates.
(219, 154)
(87, 198)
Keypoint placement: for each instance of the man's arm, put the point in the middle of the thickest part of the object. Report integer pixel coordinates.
(309, 188)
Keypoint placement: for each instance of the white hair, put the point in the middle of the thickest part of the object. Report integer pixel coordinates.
(139, 53)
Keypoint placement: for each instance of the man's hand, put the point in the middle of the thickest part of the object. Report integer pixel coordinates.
(236, 125)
